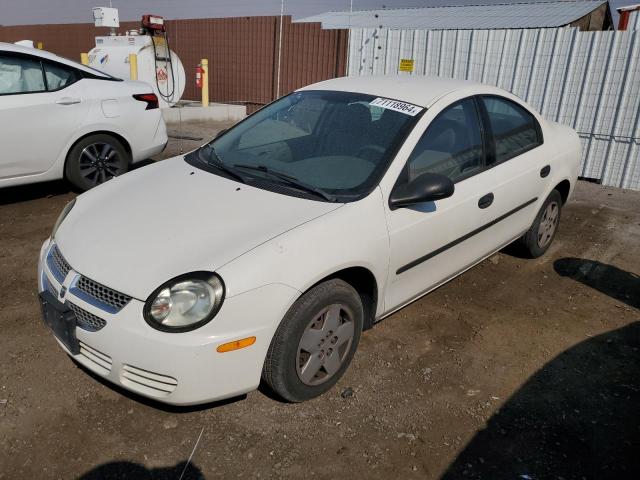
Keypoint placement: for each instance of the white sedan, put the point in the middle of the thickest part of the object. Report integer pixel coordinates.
(60, 119)
(264, 254)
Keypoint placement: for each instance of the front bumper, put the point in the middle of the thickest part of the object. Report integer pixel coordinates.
(175, 368)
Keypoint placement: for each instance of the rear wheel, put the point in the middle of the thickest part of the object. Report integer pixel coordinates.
(96, 159)
(315, 342)
(539, 237)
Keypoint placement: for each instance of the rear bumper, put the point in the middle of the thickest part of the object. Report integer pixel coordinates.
(157, 144)
(177, 368)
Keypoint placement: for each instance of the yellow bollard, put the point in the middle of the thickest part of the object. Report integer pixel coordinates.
(133, 66)
(40, 45)
(84, 58)
(204, 63)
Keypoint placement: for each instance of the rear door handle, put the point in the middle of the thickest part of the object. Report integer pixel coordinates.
(485, 201)
(68, 101)
(545, 171)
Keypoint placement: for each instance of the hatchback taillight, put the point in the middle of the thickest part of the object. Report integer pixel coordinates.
(149, 98)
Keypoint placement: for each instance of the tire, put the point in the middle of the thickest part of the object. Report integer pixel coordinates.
(96, 159)
(541, 234)
(308, 354)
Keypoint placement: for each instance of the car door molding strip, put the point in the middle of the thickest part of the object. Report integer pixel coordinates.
(446, 247)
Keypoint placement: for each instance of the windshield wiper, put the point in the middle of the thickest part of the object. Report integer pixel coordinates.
(214, 160)
(291, 180)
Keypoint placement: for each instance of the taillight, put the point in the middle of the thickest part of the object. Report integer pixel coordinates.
(149, 98)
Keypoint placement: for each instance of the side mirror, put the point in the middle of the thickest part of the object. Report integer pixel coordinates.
(425, 188)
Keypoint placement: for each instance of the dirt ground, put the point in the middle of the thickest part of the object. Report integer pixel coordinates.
(518, 369)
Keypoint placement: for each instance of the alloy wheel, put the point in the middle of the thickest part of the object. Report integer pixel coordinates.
(100, 162)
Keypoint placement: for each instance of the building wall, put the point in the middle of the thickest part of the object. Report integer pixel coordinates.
(587, 80)
(598, 19)
(629, 19)
(242, 52)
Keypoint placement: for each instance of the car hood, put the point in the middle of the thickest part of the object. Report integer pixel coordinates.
(141, 229)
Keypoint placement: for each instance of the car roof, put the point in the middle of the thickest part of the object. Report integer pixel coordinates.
(12, 47)
(416, 89)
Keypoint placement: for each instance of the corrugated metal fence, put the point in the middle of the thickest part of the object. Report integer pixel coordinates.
(588, 80)
(242, 52)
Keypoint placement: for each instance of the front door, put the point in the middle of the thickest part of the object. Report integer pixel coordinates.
(427, 241)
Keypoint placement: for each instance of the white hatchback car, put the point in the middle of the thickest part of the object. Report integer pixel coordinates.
(59, 119)
(265, 253)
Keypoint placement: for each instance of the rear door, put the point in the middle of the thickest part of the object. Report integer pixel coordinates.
(520, 171)
(42, 103)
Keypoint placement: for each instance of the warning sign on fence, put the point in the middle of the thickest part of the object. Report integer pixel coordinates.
(406, 65)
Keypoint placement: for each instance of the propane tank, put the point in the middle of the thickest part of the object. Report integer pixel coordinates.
(158, 66)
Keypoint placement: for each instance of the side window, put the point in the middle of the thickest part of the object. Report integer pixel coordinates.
(20, 75)
(451, 146)
(59, 76)
(514, 129)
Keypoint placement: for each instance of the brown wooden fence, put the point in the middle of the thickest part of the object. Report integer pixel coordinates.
(242, 52)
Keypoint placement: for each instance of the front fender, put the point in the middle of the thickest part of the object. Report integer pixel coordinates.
(352, 236)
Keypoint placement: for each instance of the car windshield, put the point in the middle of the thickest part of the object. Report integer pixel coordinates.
(333, 146)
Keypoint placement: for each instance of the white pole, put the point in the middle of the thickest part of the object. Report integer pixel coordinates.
(280, 48)
(349, 37)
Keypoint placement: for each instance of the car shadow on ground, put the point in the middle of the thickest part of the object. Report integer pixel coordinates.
(610, 280)
(22, 193)
(153, 403)
(130, 470)
(577, 418)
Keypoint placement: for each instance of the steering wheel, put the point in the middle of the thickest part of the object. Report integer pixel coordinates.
(369, 148)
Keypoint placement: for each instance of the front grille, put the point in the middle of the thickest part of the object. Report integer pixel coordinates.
(57, 264)
(102, 294)
(147, 382)
(95, 360)
(85, 320)
(46, 285)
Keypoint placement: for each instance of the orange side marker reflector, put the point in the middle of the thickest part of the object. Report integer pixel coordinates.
(236, 345)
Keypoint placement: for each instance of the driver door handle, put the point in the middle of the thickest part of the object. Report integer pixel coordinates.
(68, 101)
(485, 201)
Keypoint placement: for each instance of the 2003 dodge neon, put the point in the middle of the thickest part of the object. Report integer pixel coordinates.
(265, 253)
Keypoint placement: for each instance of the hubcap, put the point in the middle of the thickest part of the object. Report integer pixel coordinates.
(100, 162)
(324, 345)
(548, 224)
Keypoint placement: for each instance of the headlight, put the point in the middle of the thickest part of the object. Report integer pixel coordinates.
(65, 211)
(185, 303)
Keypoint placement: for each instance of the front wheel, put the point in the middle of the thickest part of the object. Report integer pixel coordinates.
(96, 159)
(315, 342)
(539, 237)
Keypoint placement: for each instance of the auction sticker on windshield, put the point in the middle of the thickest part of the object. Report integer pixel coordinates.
(402, 107)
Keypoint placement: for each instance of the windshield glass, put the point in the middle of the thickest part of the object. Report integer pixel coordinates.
(326, 144)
